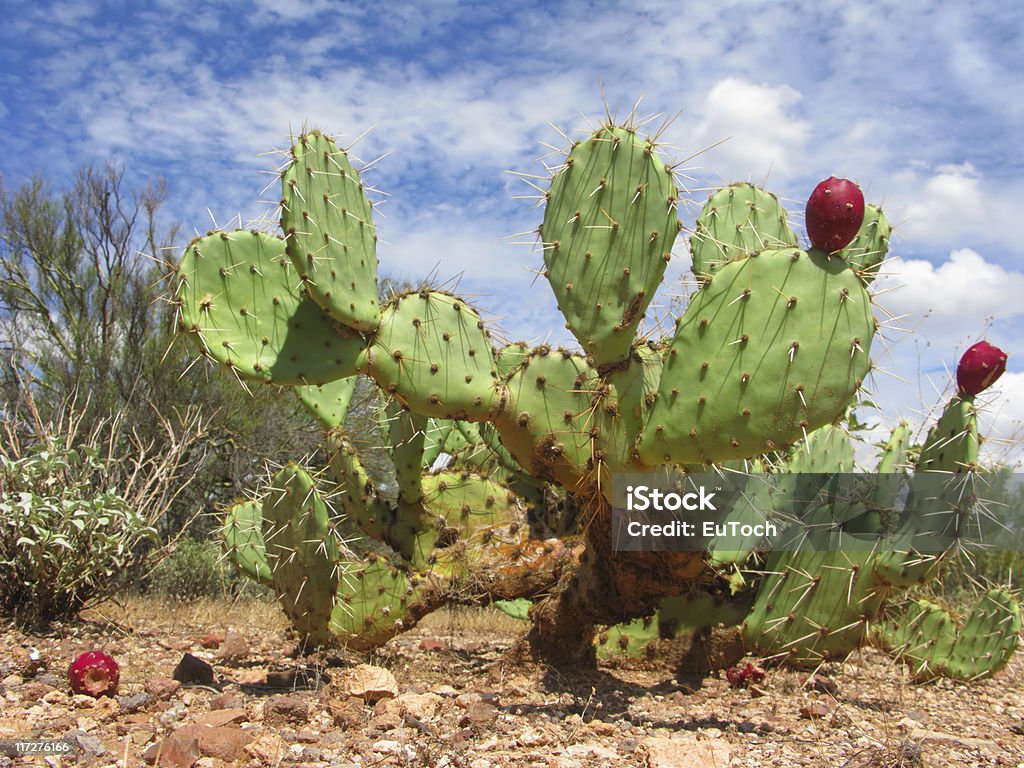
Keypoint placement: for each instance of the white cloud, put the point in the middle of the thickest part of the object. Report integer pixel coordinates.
(762, 134)
(966, 287)
(953, 205)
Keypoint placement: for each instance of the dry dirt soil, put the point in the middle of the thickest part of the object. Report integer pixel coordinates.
(450, 694)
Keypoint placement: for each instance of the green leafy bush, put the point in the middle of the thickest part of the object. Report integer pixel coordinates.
(196, 569)
(65, 536)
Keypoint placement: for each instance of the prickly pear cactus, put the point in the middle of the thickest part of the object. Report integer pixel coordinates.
(770, 352)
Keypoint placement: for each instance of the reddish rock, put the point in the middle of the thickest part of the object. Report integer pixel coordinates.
(173, 752)
(285, 709)
(219, 717)
(227, 701)
(814, 710)
(432, 644)
(212, 640)
(161, 687)
(371, 684)
(223, 742)
(234, 647)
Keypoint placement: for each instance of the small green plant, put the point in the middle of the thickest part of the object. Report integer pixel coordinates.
(80, 508)
(65, 536)
(192, 570)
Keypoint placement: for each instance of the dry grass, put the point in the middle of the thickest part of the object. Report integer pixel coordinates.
(157, 613)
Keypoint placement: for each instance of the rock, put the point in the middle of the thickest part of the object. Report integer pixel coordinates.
(923, 735)
(295, 678)
(285, 709)
(403, 752)
(50, 679)
(422, 706)
(371, 684)
(223, 742)
(227, 701)
(387, 715)
(307, 736)
(432, 644)
(33, 691)
(82, 701)
(234, 647)
(212, 640)
(347, 713)
(55, 697)
(175, 752)
(25, 662)
(531, 737)
(821, 684)
(268, 748)
(601, 728)
(90, 746)
(162, 687)
(193, 670)
(218, 717)
(686, 753)
(813, 710)
(479, 713)
(135, 702)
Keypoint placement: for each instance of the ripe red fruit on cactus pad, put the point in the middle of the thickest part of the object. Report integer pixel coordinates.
(835, 211)
(94, 673)
(980, 366)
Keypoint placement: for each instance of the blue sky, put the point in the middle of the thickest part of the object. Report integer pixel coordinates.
(922, 103)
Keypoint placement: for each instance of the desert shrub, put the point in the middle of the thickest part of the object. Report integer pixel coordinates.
(80, 509)
(196, 569)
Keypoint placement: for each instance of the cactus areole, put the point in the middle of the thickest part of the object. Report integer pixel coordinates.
(835, 211)
(979, 368)
(94, 673)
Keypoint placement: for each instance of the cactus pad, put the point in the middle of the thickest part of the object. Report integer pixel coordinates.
(240, 300)
(433, 354)
(327, 222)
(771, 348)
(608, 231)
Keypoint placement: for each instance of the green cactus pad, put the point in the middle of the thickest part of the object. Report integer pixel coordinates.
(871, 245)
(546, 422)
(243, 541)
(926, 637)
(327, 221)
(397, 525)
(240, 301)
(433, 354)
(608, 231)
(952, 444)
(470, 509)
(303, 552)
(372, 601)
(328, 402)
(813, 606)
(621, 403)
(356, 493)
(407, 434)
(509, 356)
(770, 349)
(735, 222)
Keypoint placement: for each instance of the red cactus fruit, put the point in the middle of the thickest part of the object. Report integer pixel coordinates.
(980, 366)
(94, 673)
(742, 676)
(835, 211)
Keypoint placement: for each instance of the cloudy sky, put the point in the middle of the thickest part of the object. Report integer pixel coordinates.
(922, 103)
